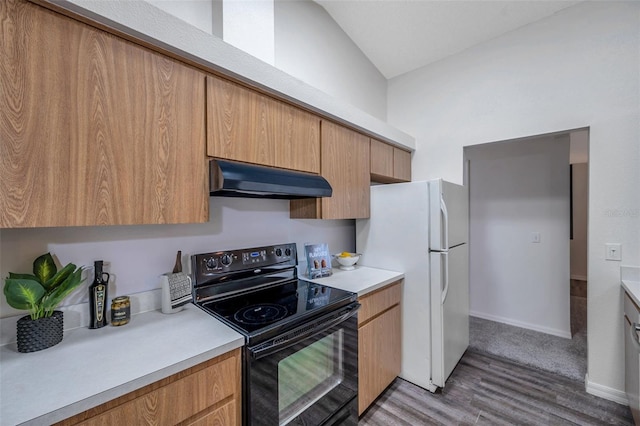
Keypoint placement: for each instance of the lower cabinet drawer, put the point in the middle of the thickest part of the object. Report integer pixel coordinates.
(378, 301)
(225, 415)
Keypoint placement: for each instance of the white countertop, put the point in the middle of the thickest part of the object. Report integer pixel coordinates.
(630, 279)
(90, 367)
(361, 280)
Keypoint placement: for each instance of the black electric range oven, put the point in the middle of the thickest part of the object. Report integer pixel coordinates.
(300, 359)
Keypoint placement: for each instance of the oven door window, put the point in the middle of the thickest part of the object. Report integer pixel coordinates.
(309, 374)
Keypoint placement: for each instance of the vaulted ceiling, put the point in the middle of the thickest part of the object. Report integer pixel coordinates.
(399, 36)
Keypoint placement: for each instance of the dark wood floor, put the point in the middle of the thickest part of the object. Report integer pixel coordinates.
(487, 390)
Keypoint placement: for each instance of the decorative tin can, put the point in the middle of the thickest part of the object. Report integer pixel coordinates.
(120, 310)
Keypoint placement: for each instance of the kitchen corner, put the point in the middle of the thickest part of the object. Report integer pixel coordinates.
(91, 367)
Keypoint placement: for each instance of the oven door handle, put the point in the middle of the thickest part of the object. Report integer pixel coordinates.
(304, 332)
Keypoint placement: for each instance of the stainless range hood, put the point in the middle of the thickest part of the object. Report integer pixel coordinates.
(234, 179)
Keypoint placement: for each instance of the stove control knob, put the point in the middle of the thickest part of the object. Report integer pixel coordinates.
(226, 259)
(211, 263)
(287, 252)
(278, 252)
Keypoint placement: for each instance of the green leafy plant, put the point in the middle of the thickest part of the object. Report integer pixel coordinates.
(42, 292)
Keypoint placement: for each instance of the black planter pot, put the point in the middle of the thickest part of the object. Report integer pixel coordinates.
(36, 335)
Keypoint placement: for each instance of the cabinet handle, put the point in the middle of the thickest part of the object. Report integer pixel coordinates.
(634, 329)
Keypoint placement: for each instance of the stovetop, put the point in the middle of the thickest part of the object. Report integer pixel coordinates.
(269, 311)
(257, 292)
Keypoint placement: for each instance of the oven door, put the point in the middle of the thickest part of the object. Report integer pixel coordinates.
(307, 376)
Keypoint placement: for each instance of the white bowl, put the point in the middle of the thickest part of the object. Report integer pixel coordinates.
(347, 262)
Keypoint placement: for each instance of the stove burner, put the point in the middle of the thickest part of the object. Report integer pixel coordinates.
(260, 314)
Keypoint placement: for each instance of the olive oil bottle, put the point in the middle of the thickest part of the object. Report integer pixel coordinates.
(98, 294)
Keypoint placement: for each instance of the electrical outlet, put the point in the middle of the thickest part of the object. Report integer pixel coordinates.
(613, 251)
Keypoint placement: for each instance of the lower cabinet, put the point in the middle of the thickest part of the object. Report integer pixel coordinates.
(379, 334)
(207, 394)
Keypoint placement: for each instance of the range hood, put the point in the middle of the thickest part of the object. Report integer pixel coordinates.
(234, 179)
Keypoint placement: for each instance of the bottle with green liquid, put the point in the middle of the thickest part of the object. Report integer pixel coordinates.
(98, 293)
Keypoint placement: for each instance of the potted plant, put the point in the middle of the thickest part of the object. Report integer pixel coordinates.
(40, 293)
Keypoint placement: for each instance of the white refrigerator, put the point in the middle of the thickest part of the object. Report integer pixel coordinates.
(421, 229)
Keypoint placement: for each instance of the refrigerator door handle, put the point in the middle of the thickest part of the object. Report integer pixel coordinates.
(445, 276)
(445, 224)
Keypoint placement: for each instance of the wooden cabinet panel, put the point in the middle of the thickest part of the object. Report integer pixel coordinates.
(389, 164)
(208, 394)
(95, 130)
(344, 156)
(225, 415)
(381, 158)
(379, 342)
(374, 303)
(401, 165)
(378, 356)
(244, 125)
(298, 140)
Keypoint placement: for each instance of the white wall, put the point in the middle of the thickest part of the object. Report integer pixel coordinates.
(137, 255)
(516, 189)
(198, 13)
(249, 25)
(298, 37)
(312, 47)
(576, 69)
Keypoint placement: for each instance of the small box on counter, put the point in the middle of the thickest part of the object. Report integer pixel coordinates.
(318, 260)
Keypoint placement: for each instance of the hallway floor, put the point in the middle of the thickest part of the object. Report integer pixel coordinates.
(487, 390)
(567, 357)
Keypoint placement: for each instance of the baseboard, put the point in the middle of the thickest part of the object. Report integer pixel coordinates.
(579, 277)
(529, 326)
(605, 392)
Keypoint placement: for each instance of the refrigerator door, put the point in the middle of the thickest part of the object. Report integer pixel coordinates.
(449, 273)
(396, 237)
(449, 214)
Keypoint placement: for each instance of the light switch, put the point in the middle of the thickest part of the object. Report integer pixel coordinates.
(613, 251)
(535, 237)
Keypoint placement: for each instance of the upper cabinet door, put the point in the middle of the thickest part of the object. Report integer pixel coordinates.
(401, 165)
(95, 130)
(381, 160)
(345, 165)
(389, 164)
(247, 126)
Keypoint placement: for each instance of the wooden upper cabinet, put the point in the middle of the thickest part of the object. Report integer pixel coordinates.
(95, 130)
(345, 164)
(244, 125)
(381, 159)
(401, 165)
(389, 163)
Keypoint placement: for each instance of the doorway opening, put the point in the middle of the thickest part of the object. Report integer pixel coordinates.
(528, 245)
